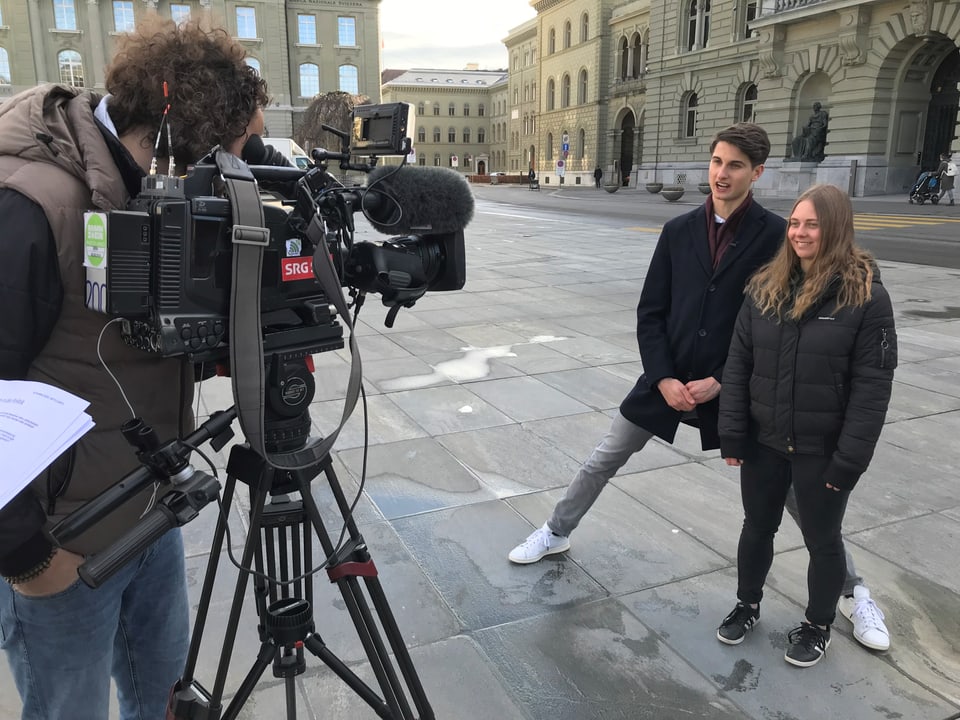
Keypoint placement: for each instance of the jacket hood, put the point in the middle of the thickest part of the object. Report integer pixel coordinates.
(54, 124)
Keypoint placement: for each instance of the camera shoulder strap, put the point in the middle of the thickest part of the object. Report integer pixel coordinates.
(247, 371)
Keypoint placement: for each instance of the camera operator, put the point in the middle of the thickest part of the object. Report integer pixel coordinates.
(62, 152)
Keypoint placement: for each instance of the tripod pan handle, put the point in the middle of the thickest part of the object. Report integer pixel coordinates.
(100, 567)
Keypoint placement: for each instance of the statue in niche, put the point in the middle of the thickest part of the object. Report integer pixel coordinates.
(810, 144)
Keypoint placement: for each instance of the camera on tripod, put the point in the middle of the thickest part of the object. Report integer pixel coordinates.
(203, 267)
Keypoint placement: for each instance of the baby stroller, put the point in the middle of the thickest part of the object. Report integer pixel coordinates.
(926, 188)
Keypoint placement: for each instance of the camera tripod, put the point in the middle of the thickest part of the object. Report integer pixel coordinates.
(278, 547)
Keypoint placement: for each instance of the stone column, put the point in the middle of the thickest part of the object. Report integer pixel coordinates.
(37, 39)
(96, 44)
(205, 15)
(698, 41)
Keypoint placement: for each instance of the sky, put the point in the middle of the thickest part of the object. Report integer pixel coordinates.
(448, 34)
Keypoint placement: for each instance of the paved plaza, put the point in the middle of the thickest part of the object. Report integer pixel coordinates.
(482, 404)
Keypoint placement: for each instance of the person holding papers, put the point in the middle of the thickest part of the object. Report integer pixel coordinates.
(64, 151)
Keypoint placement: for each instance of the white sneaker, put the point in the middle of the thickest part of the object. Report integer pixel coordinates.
(542, 542)
(867, 619)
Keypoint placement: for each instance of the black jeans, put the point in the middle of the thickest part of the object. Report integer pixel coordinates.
(764, 481)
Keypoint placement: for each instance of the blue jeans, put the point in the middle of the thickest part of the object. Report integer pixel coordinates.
(64, 648)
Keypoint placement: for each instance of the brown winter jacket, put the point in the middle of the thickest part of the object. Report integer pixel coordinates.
(53, 152)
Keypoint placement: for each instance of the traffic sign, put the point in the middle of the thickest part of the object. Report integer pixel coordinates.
(565, 139)
(566, 147)
(561, 168)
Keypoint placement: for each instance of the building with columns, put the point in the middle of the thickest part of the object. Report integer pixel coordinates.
(636, 86)
(642, 86)
(300, 47)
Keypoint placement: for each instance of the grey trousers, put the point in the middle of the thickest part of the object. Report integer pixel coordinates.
(621, 441)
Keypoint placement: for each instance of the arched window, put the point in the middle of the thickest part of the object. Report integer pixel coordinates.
(71, 68)
(565, 91)
(748, 103)
(4, 67)
(584, 27)
(481, 109)
(551, 92)
(581, 144)
(582, 88)
(309, 80)
(567, 34)
(421, 109)
(436, 108)
(349, 79)
(452, 109)
(636, 56)
(552, 41)
(624, 53)
(451, 135)
(689, 122)
(481, 135)
(549, 146)
(436, 159)
(436, 134)
(253, 62)
(421, 135)
(466, 135)
(466, 109)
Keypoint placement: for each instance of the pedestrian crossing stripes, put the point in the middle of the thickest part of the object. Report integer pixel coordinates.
(870, 221)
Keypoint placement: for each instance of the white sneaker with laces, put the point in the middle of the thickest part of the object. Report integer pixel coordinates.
(542, 542)
(867, 619)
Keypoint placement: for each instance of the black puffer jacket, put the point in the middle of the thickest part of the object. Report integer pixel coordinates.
(820, 386)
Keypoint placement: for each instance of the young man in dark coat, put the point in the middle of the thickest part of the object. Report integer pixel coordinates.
(688, 305)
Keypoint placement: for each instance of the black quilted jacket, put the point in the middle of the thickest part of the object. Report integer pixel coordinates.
(820, 386)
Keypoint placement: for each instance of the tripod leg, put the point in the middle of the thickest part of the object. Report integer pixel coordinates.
(252, 544)
(356, 603)
(384, 612)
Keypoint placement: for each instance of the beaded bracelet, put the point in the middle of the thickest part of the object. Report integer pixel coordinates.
(31, 574)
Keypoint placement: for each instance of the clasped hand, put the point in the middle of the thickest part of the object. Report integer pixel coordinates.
(684, 397)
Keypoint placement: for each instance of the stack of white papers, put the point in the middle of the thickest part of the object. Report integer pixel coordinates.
(38, 423)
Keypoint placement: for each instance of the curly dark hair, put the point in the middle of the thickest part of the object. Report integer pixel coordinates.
(213, 92)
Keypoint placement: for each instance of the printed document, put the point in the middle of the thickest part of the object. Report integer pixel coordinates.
(38, 423)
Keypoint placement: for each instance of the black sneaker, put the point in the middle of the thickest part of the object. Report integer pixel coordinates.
(806, 645)
(735, 625)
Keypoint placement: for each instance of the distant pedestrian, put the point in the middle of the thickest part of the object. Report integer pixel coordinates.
(598, 175)
(946, 172)
(806, 387)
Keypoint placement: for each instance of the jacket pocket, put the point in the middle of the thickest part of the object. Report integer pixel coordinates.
(58, 478)
(888, 348)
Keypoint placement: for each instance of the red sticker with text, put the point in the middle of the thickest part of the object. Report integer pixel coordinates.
(298, 268)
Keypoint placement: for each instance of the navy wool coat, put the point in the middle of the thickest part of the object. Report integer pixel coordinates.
(687, 311)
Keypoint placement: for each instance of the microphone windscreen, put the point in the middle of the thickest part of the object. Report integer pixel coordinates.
(417, 200)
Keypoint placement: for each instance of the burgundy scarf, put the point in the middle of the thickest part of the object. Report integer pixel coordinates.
(720, 237)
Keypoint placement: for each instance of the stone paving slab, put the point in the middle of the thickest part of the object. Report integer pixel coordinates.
(483, 403)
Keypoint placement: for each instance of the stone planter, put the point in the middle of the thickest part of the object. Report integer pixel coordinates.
(672, 193)
(704, 187)
(654, 187)
(611, 188)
